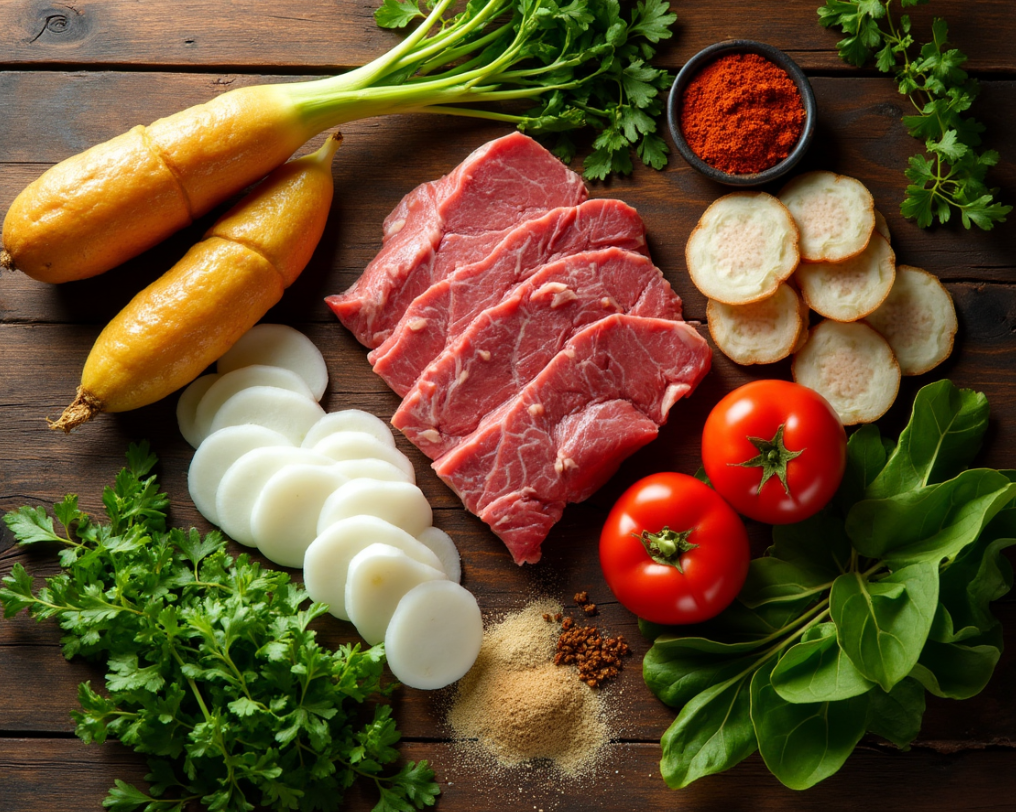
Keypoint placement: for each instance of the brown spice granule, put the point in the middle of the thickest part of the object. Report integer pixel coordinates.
(583, 602)
(519, 707)
(597, 659)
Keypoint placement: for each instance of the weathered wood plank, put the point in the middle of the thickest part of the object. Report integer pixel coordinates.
(860, 134)
(319, 35)
(43, 775)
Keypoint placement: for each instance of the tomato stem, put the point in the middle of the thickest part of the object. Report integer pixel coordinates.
(773, 458)
(667, 546)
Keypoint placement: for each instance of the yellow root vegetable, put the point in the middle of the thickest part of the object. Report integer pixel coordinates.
(173, 329)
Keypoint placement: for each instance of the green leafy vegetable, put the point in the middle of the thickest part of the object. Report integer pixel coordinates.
(559, 66)
(213, 672)
(952, 175)
(853, 614)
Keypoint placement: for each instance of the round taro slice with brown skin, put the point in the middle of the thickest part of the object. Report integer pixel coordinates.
(762, 332)
(849, 290)
(918, 319)
(834, 213)
(744, 246)
(852, 367)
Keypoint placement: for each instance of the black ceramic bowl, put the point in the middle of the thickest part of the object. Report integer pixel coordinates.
(741, 46)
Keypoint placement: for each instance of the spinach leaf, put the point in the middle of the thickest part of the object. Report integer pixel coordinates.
(817, 670)
(678, 668)
(931, 523)
(979, 575)
(959, 670)
(866, 457)
(883, 625)
(802, 744)
(712, 733)
(816, 544)
(942, 438)
(896, 715)
(774, 580)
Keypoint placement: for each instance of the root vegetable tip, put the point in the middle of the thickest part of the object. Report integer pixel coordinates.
(83, 409)
(6, 260)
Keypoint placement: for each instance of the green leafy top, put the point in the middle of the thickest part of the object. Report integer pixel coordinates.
(854, 613)
(213, 670)
(953, 177)
(558, 66)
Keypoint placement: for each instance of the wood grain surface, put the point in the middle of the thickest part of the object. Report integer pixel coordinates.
(75, 73)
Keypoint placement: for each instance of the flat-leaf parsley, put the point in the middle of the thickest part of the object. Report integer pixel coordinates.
(952, 175)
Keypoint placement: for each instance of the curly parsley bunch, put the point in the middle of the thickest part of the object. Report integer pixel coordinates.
(214, 673)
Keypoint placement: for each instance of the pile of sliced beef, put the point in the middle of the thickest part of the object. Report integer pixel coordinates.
(533, 341)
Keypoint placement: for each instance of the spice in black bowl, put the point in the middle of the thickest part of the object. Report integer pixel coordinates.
(742, 112)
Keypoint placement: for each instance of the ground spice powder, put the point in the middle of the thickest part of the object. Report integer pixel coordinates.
(519, 706)
(742, 114)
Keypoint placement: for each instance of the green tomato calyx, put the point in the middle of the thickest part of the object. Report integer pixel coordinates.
(773, 458)
(667, 546)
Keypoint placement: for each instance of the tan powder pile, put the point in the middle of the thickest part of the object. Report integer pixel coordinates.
(519, 706)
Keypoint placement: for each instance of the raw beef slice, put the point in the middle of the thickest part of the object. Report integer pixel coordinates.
(508, 345)
(598, 401)
(440, 314)
(450, 222)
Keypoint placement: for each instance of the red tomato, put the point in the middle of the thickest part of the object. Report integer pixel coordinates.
(688, 579)
(775, 450)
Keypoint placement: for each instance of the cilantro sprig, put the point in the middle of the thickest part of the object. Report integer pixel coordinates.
(213, 671)
(951, 177)
(575, 64)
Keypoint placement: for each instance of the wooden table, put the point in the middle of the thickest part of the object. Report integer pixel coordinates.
(78, 73)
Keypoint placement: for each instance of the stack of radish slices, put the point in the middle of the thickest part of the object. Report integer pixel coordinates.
(764, 261)
(332, 494)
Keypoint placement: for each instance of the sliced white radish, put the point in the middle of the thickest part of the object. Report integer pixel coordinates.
(400, 503)
(349, 420)
(279, 345)
(758, 333)
(918, 319)
(373, 469)
(446, 551)
(744, 246)
(283, 521)
(216, 454)
(834, 213)
(286, 412)
(379, 575)
(187, 407)
(230, 383)
(326, 562)
(358, 445)
(434, 635)
(852, 367)
(851, 289)
(242, 483)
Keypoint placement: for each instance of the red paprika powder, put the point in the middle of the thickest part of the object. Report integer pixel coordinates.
(742, 114)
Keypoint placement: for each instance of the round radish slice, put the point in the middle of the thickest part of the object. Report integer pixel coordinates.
(283, 521)
(379, 575)
(244, 378)
(434, 635)
(326, 562)
(349, 420)
(358, 445)
(216, 454)
(286, 412)
(372, 469)
(400, 503)
(279, 345)
(242, 483)
(444, 548)
(187, 406)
